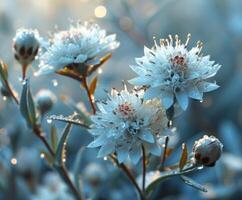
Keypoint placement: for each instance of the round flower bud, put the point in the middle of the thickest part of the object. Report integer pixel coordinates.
(25, 47)
(94, 174)
(45, 100)
(207, 150)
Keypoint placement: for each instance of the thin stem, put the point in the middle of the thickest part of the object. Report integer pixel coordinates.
(90, 96)
(62, 170)
(129, 175)
(8, 87)
(24, 70)
(164, 154)
(144, 169)
(38, 132)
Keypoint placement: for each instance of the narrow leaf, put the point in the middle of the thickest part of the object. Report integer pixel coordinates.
(27, 107)
(183, 159)
(54, 138)
(193, 184)
(23, 103)
(93, 85)
(61, 149)
(77, 167)
(31, 107)
(3, 71)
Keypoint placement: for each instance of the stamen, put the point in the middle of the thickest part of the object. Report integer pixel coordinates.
(188, 39)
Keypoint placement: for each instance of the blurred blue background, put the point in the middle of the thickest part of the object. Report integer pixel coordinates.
(217, 23)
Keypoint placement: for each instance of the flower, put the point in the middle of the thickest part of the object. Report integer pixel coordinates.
(45, 100)
(174, 73)
(81, 47)
(53, 188)
(125, 123)
(25, 45)
(207, 150)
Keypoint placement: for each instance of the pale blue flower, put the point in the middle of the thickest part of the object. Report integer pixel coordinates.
(82, 44)
(173, 73)
(125, 122)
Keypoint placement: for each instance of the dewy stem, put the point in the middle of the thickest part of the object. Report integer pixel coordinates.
(129, 175)
(61, 169)
(144, 169)
(8, 87)
(90, 96)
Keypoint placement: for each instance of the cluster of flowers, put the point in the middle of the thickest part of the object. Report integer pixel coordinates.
(167, 76)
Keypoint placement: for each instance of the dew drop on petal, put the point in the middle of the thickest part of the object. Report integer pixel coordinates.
(49, 121)
(55, 83)
(200, 167)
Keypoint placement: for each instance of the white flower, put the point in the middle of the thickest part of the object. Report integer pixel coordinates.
(26, 45)
(125, 122)
(82, 45)
(174, 73)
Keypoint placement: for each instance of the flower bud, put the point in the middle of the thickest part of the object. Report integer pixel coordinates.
(94, 174)
(25, 47)
(207, 151)
(45, 100)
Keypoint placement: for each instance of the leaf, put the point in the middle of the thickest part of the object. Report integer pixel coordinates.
(156, 177)
(93, 85)
(61, 149)
(72, 119)
(3, 71)
(193, 184)
(27, 107)
(183, 159)
(77, 166)
(47, 157)
(54, 138)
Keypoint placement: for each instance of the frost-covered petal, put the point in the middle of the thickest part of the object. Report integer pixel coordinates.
(122, 153)
(207, 87)
(147, 136)
(106, 149)
(135, 154)
(182, 99)
(194, 93)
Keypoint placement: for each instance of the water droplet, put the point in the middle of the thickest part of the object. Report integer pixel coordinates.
(170, 123)
(42, 155)
(49, 121)
(5, 98)
(24, 82)
(105, 158)
(55, 83)
(99, 71)
(14, 161)
(200, 167)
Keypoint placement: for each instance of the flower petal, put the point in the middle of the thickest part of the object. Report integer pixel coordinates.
(146, 136)
(135, 153)
(105, 150)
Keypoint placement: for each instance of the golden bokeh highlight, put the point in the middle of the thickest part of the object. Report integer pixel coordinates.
(100, 11)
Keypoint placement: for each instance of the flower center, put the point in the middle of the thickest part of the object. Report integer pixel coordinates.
(179, 64)
(126, 110)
